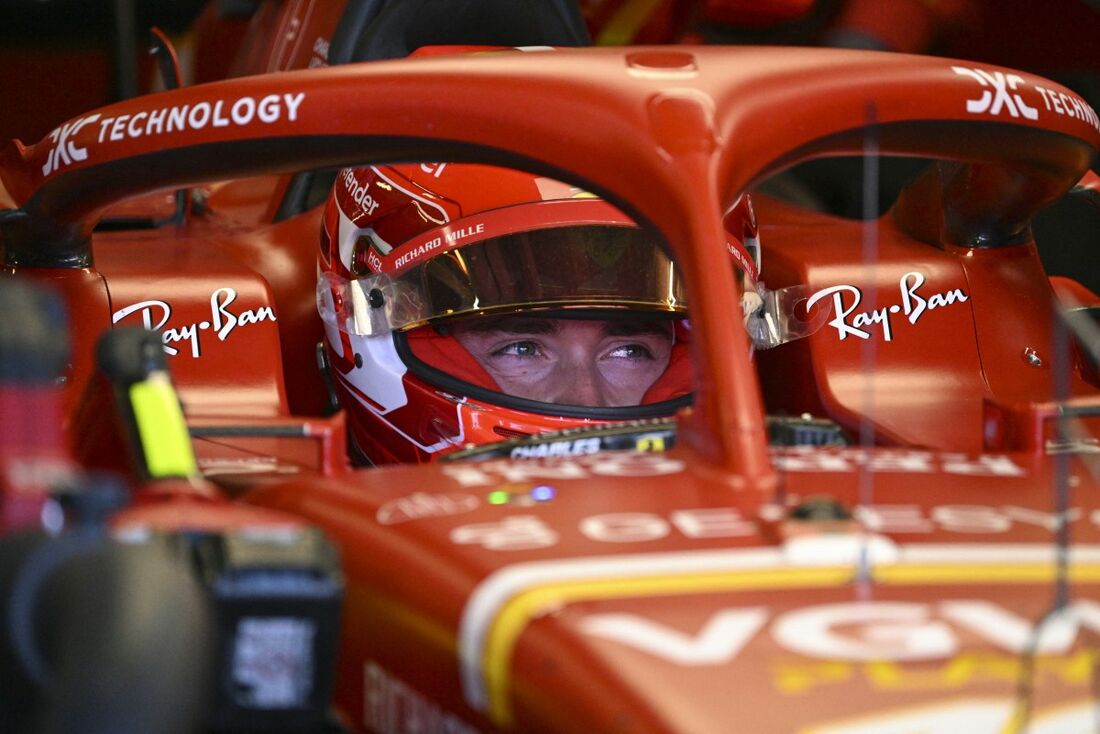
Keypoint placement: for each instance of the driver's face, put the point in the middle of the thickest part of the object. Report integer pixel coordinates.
(571, 361)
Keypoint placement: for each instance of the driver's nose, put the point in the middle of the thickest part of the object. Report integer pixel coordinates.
(581, 386)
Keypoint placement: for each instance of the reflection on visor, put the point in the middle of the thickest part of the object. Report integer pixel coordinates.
(569, 266)
(589, 266)
(782, 317)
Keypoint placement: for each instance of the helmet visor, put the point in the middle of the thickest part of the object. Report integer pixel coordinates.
(573, 266)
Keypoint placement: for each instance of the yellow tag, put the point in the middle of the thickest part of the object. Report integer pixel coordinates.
(162, 429)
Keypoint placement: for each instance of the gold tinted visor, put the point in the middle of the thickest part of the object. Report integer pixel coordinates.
(562, 267)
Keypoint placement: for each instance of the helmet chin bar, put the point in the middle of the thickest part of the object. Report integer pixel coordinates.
(783, 316)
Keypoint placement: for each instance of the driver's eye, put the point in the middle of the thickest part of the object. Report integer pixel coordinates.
(631, 351)
(518, 349)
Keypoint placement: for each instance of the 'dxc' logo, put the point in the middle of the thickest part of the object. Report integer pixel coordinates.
(64, 152)
(993, 101)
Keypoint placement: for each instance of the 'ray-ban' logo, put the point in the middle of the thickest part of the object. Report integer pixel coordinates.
(223, 320)
(912, 304)
(65, 152)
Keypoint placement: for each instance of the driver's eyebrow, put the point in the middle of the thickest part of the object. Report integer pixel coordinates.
(512, 325)
(635, 327)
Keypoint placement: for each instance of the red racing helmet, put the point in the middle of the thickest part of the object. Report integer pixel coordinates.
(412, 254)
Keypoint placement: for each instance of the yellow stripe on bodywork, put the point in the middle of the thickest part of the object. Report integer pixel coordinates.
(519, 611)
(530, 605)
(1027, 574)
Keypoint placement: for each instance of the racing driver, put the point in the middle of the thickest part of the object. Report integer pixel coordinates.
(467, 304)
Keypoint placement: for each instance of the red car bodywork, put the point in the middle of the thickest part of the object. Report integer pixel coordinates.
(662, 591)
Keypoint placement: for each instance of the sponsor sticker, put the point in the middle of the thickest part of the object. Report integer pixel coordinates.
(913, 303)
(609, 464)
(568, 447)
(435, 169)
(224, 320)
(519, 532)
(450, 237)
(999, 94)
(218, 113)
(1069, 105)
(64, 151)
(239, 112)
(897, 461)
(424, 505)
(852, 633)
(358, 191)
(392, 706)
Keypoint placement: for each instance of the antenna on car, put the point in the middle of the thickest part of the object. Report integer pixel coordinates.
(126, 75)
(162, 49)
(869, 354)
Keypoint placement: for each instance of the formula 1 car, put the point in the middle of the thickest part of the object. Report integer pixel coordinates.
(886, 525)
